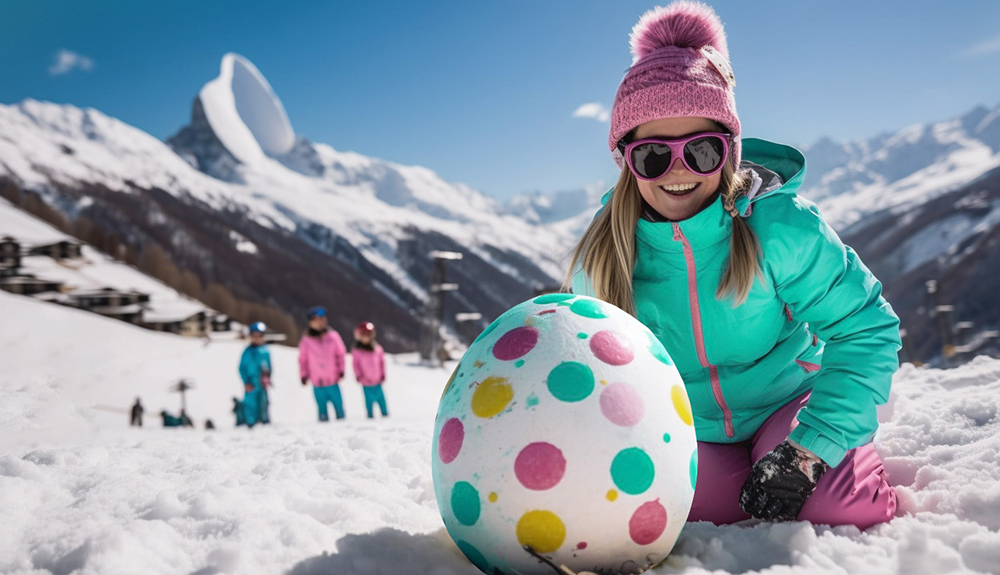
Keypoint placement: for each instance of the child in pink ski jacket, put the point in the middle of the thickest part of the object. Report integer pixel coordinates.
(369, 367)
(321, 362)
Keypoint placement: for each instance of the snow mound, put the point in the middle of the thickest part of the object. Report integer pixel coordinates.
(244, 112)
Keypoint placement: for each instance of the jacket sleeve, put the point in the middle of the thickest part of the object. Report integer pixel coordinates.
(359, 368)
(380, 357)
(824, 283)
(246, 373)
(303, 359)
(339, 354)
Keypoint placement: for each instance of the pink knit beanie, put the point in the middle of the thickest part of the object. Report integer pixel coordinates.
(680, 67)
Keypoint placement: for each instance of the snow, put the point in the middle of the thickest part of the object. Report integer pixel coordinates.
(83, 493)
(28, 230)
(244, 112)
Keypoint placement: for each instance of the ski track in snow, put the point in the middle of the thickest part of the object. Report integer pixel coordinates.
(82, 493)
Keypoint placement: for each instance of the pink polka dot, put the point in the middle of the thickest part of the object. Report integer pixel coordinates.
(612, 347)
(622, 404)
(515, 343)
(647, 523)
(540, 466)
(581, 545)
(450, 440)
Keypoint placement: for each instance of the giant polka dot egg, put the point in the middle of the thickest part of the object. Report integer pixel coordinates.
(564, 437)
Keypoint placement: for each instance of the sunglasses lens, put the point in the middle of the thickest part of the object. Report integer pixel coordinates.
(703, 155)
(651, 160)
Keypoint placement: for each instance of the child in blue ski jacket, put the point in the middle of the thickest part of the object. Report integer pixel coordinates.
(255, 371)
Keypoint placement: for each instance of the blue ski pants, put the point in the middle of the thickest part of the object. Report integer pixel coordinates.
(329, 394)
(373, 395)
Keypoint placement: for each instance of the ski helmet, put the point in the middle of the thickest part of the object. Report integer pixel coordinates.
(364, 328)
(316, 311)
(258, 327)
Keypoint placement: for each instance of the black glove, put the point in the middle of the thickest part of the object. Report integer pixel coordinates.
(780, 482)
(305, 380)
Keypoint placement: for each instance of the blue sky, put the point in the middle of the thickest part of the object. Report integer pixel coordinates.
(484, 92)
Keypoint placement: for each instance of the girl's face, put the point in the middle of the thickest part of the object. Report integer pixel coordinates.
(679, 194)
(318, 323)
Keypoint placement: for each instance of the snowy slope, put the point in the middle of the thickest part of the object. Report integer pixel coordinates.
(82, 493)
(95, 270)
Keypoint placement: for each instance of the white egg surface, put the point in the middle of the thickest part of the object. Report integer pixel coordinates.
(564, 437)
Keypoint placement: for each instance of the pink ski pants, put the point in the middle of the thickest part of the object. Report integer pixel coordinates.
(856, 492)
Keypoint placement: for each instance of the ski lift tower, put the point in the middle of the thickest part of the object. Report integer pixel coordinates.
(430, 338)
(181, 387)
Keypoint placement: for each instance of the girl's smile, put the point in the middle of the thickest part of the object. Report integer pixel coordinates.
(679, 193)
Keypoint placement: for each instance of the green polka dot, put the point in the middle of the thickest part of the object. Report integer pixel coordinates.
(581, 335)
(588, 308)
(553, 298)
(532, 400)
(694, 468)
(489, 329)
(465, 503)
(519, 363)
(659, 352)
(571, 381)
(473, 555)
(666, 438)
(632, 471)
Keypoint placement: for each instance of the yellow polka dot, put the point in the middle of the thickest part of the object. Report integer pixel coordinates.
(612, 495)
(491, 397)
(493, 497)
(604, 382)
(478, 363)
(543, 531)
(681, 404)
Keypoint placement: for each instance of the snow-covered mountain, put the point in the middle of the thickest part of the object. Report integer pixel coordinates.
(330, 226)
(952, 240)
(894, 172)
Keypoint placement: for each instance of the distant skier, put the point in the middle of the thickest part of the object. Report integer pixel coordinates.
(321, 362)
(779, 331)
(368, 360)
(137, 411)
(255, 370)
(170, 420)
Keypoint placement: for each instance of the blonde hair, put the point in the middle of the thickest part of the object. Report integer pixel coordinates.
(606, 252)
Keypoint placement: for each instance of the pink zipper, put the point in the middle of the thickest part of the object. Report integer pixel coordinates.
(808, 366)
(699, 336)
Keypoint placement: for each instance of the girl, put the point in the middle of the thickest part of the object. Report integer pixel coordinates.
(255, 371)
(369, 366)
(321, 361)
(779, 331)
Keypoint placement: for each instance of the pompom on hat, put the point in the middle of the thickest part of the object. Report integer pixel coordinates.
(680, 68)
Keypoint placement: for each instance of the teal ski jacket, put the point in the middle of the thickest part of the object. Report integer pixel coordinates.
(817, 322)
(255, 361)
